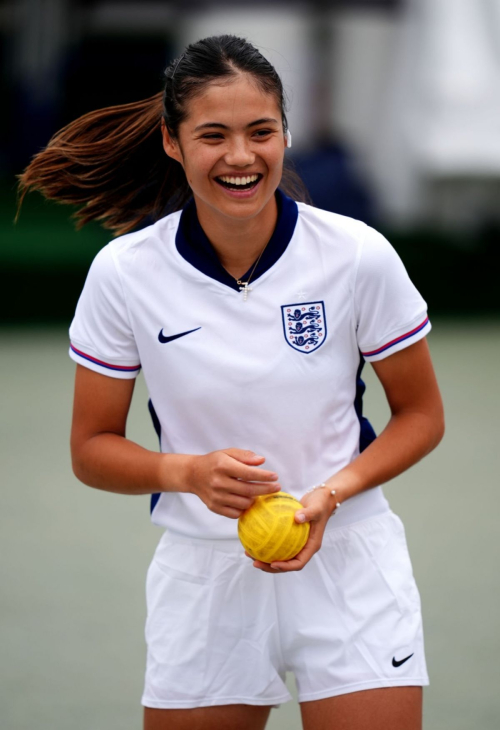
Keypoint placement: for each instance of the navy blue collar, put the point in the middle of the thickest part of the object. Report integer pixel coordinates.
(194, 246)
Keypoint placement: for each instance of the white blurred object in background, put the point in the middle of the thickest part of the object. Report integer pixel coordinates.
(281, 36)
(438, 158)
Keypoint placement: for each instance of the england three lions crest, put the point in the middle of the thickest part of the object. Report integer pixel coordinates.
(304, 325)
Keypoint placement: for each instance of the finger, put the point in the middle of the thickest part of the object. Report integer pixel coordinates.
(296, 563)
(244, 455)
(252, 490)
(232, 512)
(237, 501)
(312, 513)
(265, 567)
(289, 566)
(250, 473)
(312, 546)
(246, 472)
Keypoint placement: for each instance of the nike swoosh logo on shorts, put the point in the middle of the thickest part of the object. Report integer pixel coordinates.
(163, 339)
(395, 663)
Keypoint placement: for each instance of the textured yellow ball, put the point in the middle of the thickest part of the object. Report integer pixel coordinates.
(268, 531)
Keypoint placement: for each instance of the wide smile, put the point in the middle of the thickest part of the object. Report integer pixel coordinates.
(240, 186)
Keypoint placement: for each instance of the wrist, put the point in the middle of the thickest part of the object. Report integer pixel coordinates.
(346, 484)
(334, 501)
(341, 486)
(175, 472)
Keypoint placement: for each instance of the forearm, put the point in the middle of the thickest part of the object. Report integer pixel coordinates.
(113, 463)
(407, 438)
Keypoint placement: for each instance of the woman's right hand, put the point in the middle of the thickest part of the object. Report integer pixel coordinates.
(228, 481)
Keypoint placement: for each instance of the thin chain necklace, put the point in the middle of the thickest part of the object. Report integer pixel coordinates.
(243, 285)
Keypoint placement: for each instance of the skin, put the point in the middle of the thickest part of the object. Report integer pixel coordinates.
(415, 428)
(237, 146)
(228, 480)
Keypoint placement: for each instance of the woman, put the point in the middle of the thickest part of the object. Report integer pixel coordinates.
(251, 316)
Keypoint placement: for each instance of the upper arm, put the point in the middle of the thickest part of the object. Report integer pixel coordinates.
(101, 405)
(410, 383)
(390, 313)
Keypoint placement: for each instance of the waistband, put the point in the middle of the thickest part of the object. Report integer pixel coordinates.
(346, 515)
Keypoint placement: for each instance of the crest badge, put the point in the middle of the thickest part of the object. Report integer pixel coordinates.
(304, 325)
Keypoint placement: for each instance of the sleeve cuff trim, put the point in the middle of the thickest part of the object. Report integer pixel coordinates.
(122, 368)
(396, 341)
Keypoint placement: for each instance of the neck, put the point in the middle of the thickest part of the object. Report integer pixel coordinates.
(238, 242)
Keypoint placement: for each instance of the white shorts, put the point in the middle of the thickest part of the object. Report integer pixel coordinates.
(220, 631)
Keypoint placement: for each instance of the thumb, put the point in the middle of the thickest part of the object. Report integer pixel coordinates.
(245, 456)
(308, 514)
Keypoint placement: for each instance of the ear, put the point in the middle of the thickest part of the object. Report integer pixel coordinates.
(170, 144)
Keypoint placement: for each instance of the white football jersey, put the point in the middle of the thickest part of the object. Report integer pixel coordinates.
(277, 373)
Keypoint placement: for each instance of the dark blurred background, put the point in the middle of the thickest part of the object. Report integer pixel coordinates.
(394, 110)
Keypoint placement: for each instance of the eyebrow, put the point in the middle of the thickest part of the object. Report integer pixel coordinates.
(218, 125)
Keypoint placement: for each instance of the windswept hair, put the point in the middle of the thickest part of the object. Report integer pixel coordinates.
(110, 162)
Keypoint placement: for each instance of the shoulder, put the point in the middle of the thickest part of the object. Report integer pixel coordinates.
(162, 232)
(332, 227)
(125, 252)
(368, 243)
(334, 221)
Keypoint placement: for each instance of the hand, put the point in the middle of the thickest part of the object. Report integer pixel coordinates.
(228, 481)
(318, 507)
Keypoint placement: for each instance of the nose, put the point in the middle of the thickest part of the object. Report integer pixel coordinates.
(239, 153)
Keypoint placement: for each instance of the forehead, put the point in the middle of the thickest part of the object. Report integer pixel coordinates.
(233, 103)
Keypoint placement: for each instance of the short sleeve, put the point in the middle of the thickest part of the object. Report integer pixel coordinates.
(101, 336)
(390, 312)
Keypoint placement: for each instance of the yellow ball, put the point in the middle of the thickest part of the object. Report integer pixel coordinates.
(268, 531)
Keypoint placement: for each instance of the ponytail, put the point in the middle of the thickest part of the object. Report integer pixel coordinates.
(110, 162)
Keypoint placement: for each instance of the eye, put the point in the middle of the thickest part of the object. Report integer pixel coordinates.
(263, 132)
(214, 135)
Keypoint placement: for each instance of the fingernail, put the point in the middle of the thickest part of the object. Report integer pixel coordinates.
(275, 567)
(301, 517)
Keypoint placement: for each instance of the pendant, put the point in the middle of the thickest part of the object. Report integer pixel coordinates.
(245, 289)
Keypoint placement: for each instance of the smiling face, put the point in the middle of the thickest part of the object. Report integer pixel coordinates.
(231, 146)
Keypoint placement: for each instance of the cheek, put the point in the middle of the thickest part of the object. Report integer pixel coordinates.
(275, 162)
(275, 154)
(200, 165)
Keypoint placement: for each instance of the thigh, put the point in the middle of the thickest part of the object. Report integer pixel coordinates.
(212, 630)
(373, 709)
(356, 623)
(223, 717)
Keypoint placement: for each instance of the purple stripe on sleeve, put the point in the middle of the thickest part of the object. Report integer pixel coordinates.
(122, 368)
(397, 340)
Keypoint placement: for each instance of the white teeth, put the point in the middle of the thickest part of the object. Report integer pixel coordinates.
(239, 180)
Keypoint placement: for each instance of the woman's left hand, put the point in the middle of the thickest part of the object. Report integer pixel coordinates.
(318, 507)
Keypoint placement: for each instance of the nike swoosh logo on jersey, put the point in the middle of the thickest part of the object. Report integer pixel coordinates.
(395, 662)
(164, 339)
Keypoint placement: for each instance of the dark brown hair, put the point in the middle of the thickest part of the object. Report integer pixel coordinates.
(111, 163)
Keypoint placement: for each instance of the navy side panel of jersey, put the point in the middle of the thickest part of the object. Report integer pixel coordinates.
(156, 423)
(367, 433)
